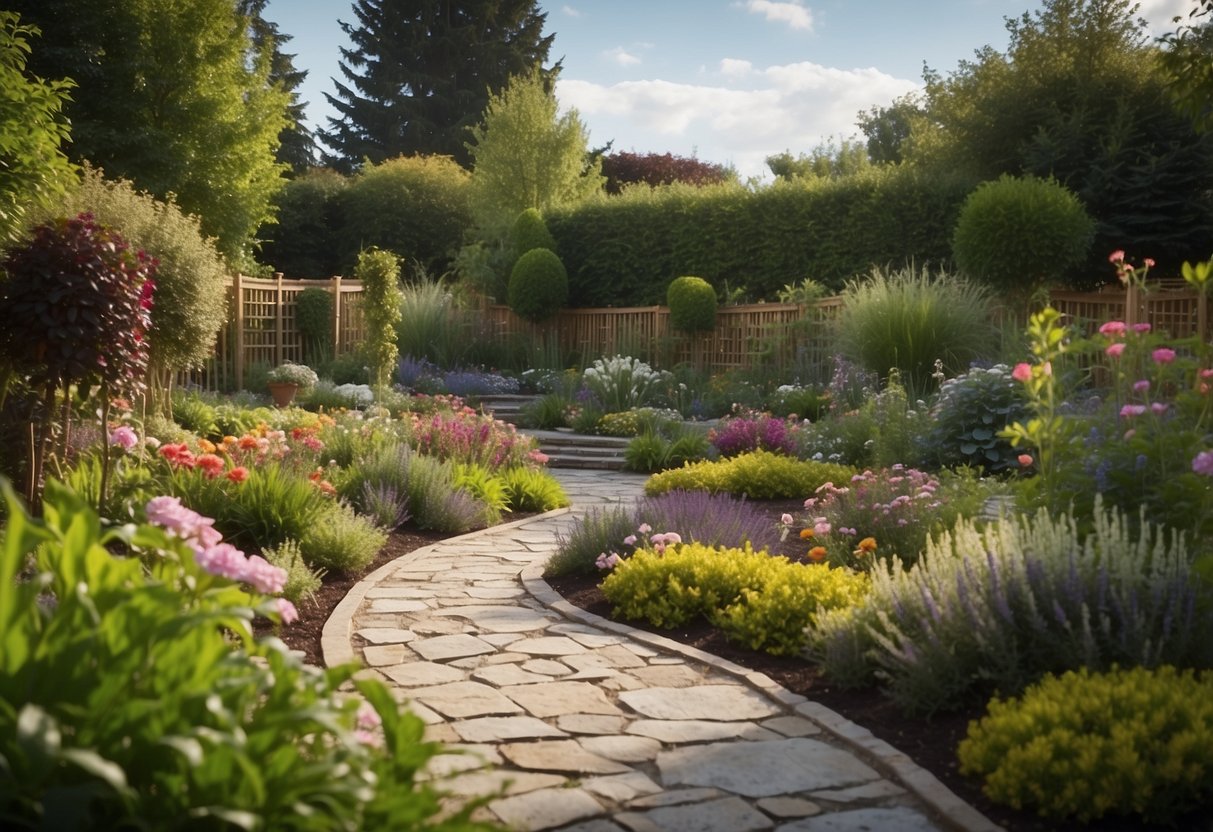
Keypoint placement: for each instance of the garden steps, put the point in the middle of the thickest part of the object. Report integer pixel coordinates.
(577, 450)
(505, 406)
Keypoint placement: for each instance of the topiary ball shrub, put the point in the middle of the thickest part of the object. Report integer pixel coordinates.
(692, 302)
(1084, 745)
(539, 285)
(1020, 234)
(531, 232)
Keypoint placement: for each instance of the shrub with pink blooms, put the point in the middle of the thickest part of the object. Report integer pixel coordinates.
(461, 434)
(750, 431)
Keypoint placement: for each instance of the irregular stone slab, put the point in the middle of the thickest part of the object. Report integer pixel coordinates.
(420, 674)
(387, 635)
(864, 820)
(792, 726)
(595, 674)
(418, 710)
(480, 783)
(500, 639)
(494, 618)
(675, 797)
(868, 791)
(677, 731)
(548, 667)
(623, 749)
(548, 646)
(596, 825)
(456, 759)
(730, 814)
(398, 605)
(545, 809)
(619, 681)
(439, 626)
(383, 654)
(621, 787)
(564, 756)
(499, 728)
(459, 700)
(505, 657)
(616, 656)
(669, 676)
(641, 650)
(725, 703)
(487, 593)
(500, 675)
(590, 724)
(789, 807)
(392, 590)
(763, 769)
(559, 698)
(456, 646)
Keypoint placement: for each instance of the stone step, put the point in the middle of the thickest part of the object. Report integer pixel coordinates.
(567, 459)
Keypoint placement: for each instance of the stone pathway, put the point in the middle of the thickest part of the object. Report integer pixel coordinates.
(592, 726)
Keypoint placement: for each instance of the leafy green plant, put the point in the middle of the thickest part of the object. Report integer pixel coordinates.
(530, 232)
(548, 412)
(623, 383)
(486, 487)
(910, 318)
(379, 272)
(143, 688)
(805, 402)
(1134, 742)
(760, 475)
(528, 489)
(805, 292)
(539, 285)
(968, 416)
(340, 540)
(196, 415)
(314, 320)
(302, 581)
(1019, 234)
(692, 303)
(601, 530)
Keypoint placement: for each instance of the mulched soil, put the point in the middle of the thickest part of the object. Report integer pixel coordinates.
(930, 742)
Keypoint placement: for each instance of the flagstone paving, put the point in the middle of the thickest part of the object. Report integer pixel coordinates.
(580, 724)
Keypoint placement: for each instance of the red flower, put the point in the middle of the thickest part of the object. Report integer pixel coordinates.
(211, 465)
(238, 474)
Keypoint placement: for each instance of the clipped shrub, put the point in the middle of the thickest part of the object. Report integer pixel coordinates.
(314, 320)
(302, 581)
(968, 415)
(530, 232)
(999, 606)
(1018, 234)
(729, 587)
(528, 489)
(539, 285)
(309, 238)
(909, 319)
(601, 530)
(760, 475)
(692, 302)
(1082, 746)
(379, 272)
(340, 540)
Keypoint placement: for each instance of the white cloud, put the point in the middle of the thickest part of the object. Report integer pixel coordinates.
(791, 12)
(621, 56)
(570, 11)
(735, 67)
(791, 107)
(1160, 13)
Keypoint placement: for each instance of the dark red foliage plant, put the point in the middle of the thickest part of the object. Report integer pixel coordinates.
(76, 305)
(659, 169)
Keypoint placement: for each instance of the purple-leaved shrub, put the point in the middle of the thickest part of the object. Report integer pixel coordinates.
(749, 431)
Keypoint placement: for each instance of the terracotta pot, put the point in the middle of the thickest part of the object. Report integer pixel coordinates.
(283, 392)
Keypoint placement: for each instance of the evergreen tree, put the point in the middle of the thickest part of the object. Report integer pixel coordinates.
(174, 96)
(421, 71)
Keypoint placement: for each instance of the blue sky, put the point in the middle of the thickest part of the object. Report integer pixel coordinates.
(728, 81)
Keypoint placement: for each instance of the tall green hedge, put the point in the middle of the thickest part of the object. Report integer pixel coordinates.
(621, 251)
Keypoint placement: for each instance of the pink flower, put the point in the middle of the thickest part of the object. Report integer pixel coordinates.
(821, 526)
(238, 474)
(1022, 372)
(1131, 410)
(1206, 373)
(786, 519)
(644, 528)
(1203, 463)
(367, 718)
(187, 524)
(287, 611)
(1149, 262)
(1025, 460)
(224, 560)
(1158, 408)
(1162, 355)
(1141, 329)
(1112, 328)
(1141, 386)
(263, 576)
(606, 561)
(124, 437)
(1117, 256)
(1114, 350)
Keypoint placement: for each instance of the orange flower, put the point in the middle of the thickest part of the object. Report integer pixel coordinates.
(206, 446)
(868, 544)
(805, 534)
(817, 554)
(239, 474)
(248, 442)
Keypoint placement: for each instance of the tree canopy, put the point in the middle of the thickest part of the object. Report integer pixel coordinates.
(175, 96)
(420, 74)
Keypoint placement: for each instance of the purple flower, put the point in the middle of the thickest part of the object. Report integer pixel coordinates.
(1203, 463)
(1162, 355)
(124, 437)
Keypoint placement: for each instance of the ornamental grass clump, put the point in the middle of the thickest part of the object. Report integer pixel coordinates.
(623, 383)
(997, 607)
(600, 530)
(1135, 743)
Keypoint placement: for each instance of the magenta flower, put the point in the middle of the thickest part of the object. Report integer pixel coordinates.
(1114, 350)
(1131, 410)
(1117, 256)
(1141, 386)
(1162, 355)
(1022, 372)
(1158, 408)
(1112, 328)
(1141, 329)
(1203, 463)
(124, 437)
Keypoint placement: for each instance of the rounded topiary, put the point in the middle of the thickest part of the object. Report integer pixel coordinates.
(1021, 234)
(539, 285)
(692, 302)
(531, 232)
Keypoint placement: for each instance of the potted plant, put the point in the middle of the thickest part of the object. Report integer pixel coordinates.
(286, 379)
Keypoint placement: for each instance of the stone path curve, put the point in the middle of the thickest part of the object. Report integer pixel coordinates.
(594, 726)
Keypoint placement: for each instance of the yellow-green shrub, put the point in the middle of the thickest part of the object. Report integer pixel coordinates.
(1084, 745)
(760, 475)
(760, 600)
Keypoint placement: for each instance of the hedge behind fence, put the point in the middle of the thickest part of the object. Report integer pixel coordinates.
(626, 250)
